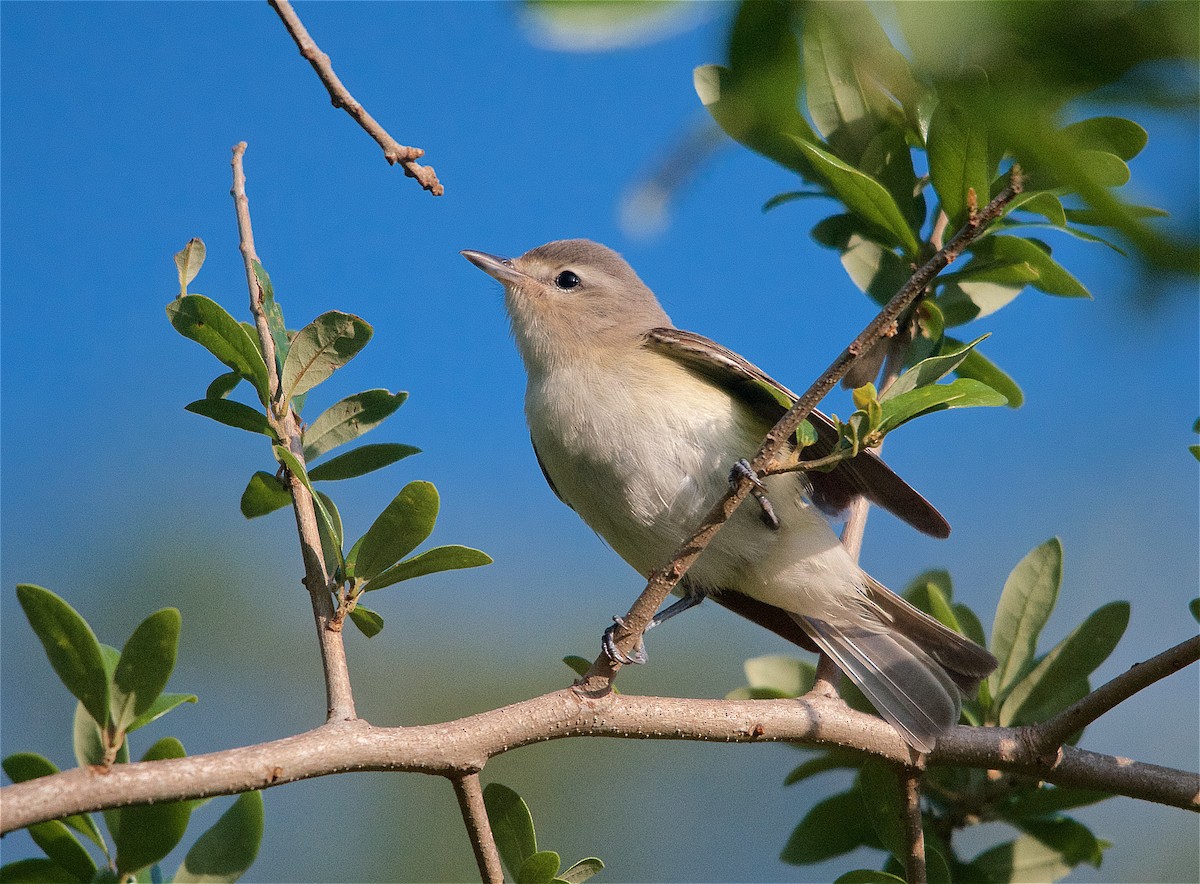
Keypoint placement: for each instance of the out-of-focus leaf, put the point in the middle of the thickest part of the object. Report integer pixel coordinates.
(867, 876)
(979, 367)
(539, 868)
(1194, 604)
(63, 848)
(440, 558)
(960, 393)
(1025, 859)
(147, 833)
(401, 527)
(1114, 135)
(1051, 278)
(1070, 838)
(877, 271)
(1076, 657)
(577, 664)
(222, 385)
(1041, 202)
(959, 158)
(790, 197)
(836, 99)
(831, 759)
(188, 262)
(587, 26)
(206, 322)
(965, 298)
(233, 414)
(971, 627)
(71, 645)
(369, 623)
(227, 850)
(1028, 597)
(145, 666)
(163, 704)
(930, 371)
(1046, 800)
(264, 494)
(24, 766)
(786, 676)
(35, 870)
(360, 461)
(349, 419)
(1090, 217)
(512, 825)
(582, 870)
(273, 314)
(321, 348)
(880, 795)
(930, 599)
(833, 826)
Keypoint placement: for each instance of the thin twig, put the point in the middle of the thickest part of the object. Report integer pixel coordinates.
(338, 693)
(469, 793)
(914, 835)
(1052, 733)
(665, 579)
(393, 151)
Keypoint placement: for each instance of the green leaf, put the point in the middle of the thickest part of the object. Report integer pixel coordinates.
(1039, 694)
(512, 825)
(832, 759)
(577, 664)
(971, 627)
(959, 158)
(790, 196)
(1040, 202)
(24, 766)
(582, 870)
(403, 525)
(836, 100)
(63, 848)
(779, 673)
(962, 299)
(227, 850)
(1070, 838)
(188, 262)
(832, 827)
(273, 314)
(979, 367)
(1052, 278)
(162, 704)
(880, 795)
(232, 414)
(1045, 800)
(264, 494)
(321, 348)
(71, 646)
(361, 460)
(147, 833)
(349, 419)
(540, 868)
(145, 666)
(1094, 218)
(867, 876)
(368, 622)
(332, 533)
(876, 270)
(1194, 604)
(222, 385)
(206, 322)
(862, 195)
(328, 520)
(36, 870)
(1028, 597)
(1025, 859)
(930, 371)
(441, 558)
(1114, 135)
(960, 393)
(88, 743)
(929, 598)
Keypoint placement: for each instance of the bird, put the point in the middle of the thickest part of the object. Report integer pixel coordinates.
(637, 426)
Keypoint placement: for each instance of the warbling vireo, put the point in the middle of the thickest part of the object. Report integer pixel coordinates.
(637, 424)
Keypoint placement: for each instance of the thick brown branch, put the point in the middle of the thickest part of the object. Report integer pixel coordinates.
(469, 793)
(463, 746)
(338, 694)
(393, 151)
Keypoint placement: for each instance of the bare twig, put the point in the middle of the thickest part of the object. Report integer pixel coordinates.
(393, 151)
(914, 835)
(1050, 734)
(665, 579)
(338, 694)
(463, 746)
(469, 793)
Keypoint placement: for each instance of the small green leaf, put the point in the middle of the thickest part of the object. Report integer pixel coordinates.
(349, 419)
(319, 349)
(232, 414)
(329, 522)
(962, 299)
(401, 527)
(1068, 837)
(979, 367)
(577, 664)
(880, 794)
(1025, 859)
(1194, 604)
(929, 598)
(512, 825)
(71, 646)
(24, 766)
(222, 385)
(971, 627)
(582, 870)
(832, 827)
(188, 262)
(36, 870)
(1076, 657)
(145, 666)
(862, 195)
(1028, 597)
(1044, 800)
(960, 393)
(780, 673)
(368, 622)
(831, 759)
(931, 370)
(540, 868)
(273, 314)
(959, 158)
(441, 558)
(264, 494)
(331, 532)
(227, 850)
(206, 322)
(868, 876)
(1052, 278)
(790, 196)
(1114, 135)
(147, 833)
(360, 461)
(63, 848)
(88, 743)
(162, 704)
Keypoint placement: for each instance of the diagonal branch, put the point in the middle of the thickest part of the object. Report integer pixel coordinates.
(469, 793)
(393, 151)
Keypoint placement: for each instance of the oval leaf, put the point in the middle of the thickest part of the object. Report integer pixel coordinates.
(320, 348)
(145, 666)
(1028, 597)
(959, 159)
(149, 832)
(188, 262)
(222, 385)
(832, 827)
(369, 623)
(63, 848)
(960, 393)
(227, 850)
(264, 494)
(206, 322)
(540, 868)
(931, 370)
(979, 367)
(441, 558)
(360, 461)
(162, 704)
(512, 825)
(1114, 135)
(349, 419)
(71, 646)
(582, 870)
(36, 870)
(232, 414)
(400, 528)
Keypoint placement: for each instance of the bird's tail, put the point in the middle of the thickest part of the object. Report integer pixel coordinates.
(913, 669)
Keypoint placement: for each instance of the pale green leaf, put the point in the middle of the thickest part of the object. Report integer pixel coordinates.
(232, 414)
(188, 262)
(441, 558)
(349, 419)
(1028, 597)
(320, 348)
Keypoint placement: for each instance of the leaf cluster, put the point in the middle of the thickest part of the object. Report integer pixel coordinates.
(516, 842)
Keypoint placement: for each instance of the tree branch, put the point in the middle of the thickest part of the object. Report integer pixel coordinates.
(914, 835)
(665, 579)
(469, 793)
(393, 151)
(338, 693)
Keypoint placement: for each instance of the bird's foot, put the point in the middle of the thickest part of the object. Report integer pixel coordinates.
(741, 470)
(615, 654)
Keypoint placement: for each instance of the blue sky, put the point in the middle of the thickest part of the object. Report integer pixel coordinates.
(117, 124)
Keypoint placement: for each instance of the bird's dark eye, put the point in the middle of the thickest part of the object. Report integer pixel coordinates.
(566, 280)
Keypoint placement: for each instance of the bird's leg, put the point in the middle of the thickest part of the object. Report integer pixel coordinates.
(741, 470)
(609, 644)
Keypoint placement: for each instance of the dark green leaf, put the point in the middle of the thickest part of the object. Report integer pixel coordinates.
(1051, 278)
(329, 522)
(791, 196)
(959, 158)
(1028, 597)
(188, 262)
(929, 598)
(1076, 657)
(1194, 604)
(930, 371)
(512, 825)
(274, 315)
(1044, 800)
(964, 298)
(1093, 218)
(360, 461)
(24, 766)
(163, 704)
(35, 870)
(880, 794)
(63, 848)
(1025, 859)
(222, 385)
(1070, 838)
(441, 558)
(867, 876)
(349, 419)
(969, 621)
(979, 367)
(227, 850)
(832, 827)
(320, 348)
(582, 870)
(206, 322)
(71, 646)
(264, 494)
(1114, 135)
(961, 393)
(368, 622)
(577, 664)
(831, 759)
(147, 833)
(232, 414)
(145, 666)
(400, 528)
(540, 868)
(331, 533)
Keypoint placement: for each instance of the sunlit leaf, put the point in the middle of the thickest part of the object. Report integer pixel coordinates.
(959, 158)
(960, 393)
(273, 314)
(227, 850)
(320, 348)
(206, 322)
(582, 870)
(512, 825)
(787, 676)
(188, 262)
(963, 299)
(348, 419)
(441, 558)
(361, 460)
(539, 868)
(979, 367)
(145, 666)
(400, 528)
(1028, 597)
(931, 370)
(232, 414)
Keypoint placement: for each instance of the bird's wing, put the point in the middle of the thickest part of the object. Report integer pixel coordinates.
(866, 475)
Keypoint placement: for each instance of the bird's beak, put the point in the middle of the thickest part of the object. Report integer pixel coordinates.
(499, 268)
